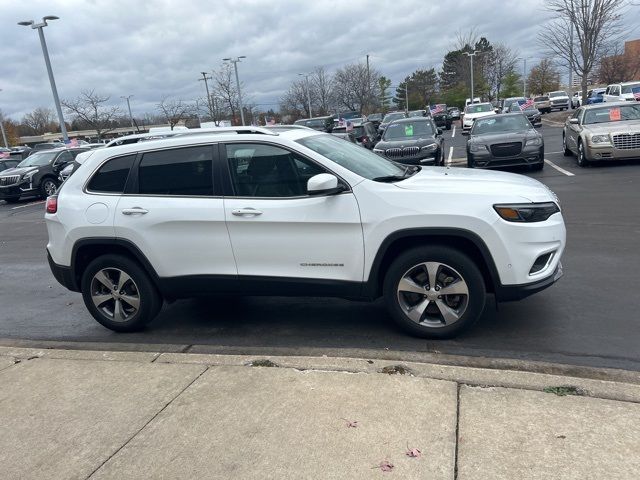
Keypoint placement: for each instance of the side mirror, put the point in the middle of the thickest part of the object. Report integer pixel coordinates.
(324, 184)
(537, 125)
(439, 131)
(574, 121)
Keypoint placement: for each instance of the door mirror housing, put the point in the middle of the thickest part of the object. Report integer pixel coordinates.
(324, 184)
(574, 121)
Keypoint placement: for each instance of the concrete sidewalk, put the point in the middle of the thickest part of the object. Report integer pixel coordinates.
(119, 415)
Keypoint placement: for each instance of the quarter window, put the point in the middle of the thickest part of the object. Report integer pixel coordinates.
(259, 170)
(112, 176)
(179, 171)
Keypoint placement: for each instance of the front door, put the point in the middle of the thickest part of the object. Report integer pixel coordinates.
(277, 230)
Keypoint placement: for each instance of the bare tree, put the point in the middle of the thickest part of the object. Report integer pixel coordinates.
(499, 63)
(173, 111)
(580, 31)
(353, 88)
(543, 77)
(224, 88)
(295, 101)
(91, 110)
(617, 66)
(40, 121)
(322, 90)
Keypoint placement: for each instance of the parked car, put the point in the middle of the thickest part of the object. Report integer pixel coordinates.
(621, 92)
(454, 113)
(412, 141)
(441, 116)
(348, 136)
(576, 100)
(505, 140)
(473, 111)
(417, 113)
(542, 103)
(144, 222)
(604, 131)
(388, 118)
(46, 146)
(528, 109)
(36, 175)
(365, 133)
(559, 100)
(349, 115)
(375, 118)
(322, 124)
(505, 103)
(469, 102)
(7, 163)
(595, 96)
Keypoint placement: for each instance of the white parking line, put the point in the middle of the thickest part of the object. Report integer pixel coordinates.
(561, 170)
(553, 153)
(453, 132)
(28, 205)
(450, 155)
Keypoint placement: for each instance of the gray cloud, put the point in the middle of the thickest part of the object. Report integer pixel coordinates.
(156, 48)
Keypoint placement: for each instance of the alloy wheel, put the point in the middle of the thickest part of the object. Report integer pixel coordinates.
(49, 187)
(433, 294)
(115, 294)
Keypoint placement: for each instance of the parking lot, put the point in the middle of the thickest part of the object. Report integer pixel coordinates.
(589, 318)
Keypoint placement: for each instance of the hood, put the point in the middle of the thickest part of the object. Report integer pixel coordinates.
(491, 138)
(478, 115)
(471, 181)
(401, 143)
(627, 126)
(17, 171)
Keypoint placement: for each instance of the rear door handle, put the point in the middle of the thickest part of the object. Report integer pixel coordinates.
(242, 212)
(134, 211)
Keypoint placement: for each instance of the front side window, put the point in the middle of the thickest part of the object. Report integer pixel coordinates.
(64, 157)
(259, 170)
(178, 171)
(112, 176)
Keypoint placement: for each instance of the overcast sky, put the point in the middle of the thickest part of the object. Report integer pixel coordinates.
(155, 48)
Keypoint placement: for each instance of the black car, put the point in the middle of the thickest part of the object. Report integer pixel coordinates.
(322, 124)
(375, 118)
(365, 133)
(441, 118)
(20, 152)
(412, 141)
(504, 140)
(531, 112)
(36, 175)
(388, 118)
(7, 163)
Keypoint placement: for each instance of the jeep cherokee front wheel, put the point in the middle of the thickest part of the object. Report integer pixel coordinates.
(434, 291)
(119, 294)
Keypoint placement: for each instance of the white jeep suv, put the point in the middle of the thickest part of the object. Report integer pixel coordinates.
(287, 211)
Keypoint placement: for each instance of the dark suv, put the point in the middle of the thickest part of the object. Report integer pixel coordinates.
(365, 133)
(412, 141)
(37, 174)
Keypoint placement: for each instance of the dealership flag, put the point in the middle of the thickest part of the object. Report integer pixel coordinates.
(436, 109)
(349, 126)
(524, 104)
(636, 93)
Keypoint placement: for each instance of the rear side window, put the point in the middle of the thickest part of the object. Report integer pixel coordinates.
(179, 171)
(112, 176)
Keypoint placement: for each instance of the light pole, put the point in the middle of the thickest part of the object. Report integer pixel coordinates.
(306, 76)
(524, 76)
(129, 107)
(235, 66)
(4, 134)
(471, 55)
(206, 85)
(45, 52)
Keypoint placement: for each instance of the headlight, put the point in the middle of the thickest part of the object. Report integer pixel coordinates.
(429, 148)
(377, 150)
(600, 139)
(527, 212)
(536, 141)
(474, 147)
(30, 174)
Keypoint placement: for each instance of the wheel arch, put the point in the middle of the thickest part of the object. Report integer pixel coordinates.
(466, 241)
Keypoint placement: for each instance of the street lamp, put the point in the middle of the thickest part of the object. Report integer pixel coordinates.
(129, 107)
(471, 55)
(45, 52)
(4, 134)
(206, 79)
(235, 66)
(306, 76)
(524, 76)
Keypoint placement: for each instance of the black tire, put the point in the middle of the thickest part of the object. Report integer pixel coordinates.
(452, 263)
(566, 151)
(12, 199)
(448, 126)
(470, 163)
(538, 166)
(150, 300)
(581, 158)
(48, 187)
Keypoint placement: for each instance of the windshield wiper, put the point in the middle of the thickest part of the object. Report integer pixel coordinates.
(408, 172)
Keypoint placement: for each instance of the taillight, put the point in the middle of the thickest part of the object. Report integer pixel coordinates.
(52, 204)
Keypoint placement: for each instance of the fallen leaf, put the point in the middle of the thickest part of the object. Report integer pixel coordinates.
(561, 436)
(413, 452)
(351, 423)
(386, 466)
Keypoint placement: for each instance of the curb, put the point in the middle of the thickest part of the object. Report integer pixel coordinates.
(625, 387)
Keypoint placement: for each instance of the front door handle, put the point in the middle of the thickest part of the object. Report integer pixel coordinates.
(134, 211)
(241, 212)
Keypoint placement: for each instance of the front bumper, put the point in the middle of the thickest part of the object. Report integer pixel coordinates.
(509, 293)
(17, 189)
(609, 152)
(528, 156)
(559, 105)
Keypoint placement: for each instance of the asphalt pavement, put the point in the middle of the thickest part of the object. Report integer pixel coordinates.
(590, 317)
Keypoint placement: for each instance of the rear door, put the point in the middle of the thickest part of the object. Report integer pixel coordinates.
(171, 212)
(276, 229)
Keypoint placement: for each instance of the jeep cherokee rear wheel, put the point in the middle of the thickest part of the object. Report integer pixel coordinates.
(119, 293)
(434, 292)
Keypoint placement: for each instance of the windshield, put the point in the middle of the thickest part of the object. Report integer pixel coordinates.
(351, 156)
(315, 123)
(402, 130)
(417, 113)
(630, 88)
(612, 114)
(479, 108)
(500, 124)
(558, 94)
(38, 159)
(390, 117)
(541, 99)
